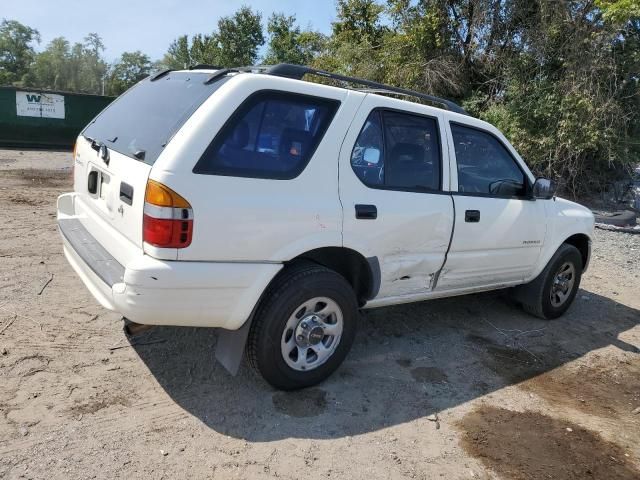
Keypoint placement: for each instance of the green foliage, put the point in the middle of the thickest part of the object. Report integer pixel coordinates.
(127, 71)
(235, 43)
(620, 11)
(238, 38)
(288, 44)
(359, 21)
(179, 54)
(16, 50)
(560, 79)
(354, 47)
(62, 66)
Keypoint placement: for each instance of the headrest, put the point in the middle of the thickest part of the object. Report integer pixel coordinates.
(407, 152)
(294, 142)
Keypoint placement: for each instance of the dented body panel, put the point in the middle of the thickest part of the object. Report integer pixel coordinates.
(412, 231)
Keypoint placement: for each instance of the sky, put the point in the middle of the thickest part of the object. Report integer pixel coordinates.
(149, 25)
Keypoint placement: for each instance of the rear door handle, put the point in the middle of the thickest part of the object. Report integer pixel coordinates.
(366, 212)
(472, 216)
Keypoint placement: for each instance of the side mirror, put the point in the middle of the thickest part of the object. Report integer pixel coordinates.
(371, 155)
(544, 188)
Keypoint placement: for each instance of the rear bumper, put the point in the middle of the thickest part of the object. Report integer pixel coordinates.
(161, 292)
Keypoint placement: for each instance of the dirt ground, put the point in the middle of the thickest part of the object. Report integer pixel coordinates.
(459, 388)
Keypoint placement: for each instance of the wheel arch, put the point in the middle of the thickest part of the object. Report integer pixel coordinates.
(583, 243)
(363, 274)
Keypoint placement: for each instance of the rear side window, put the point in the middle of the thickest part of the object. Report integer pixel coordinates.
(485, 166)
(272, 135)
(398, 151)
(142, 121)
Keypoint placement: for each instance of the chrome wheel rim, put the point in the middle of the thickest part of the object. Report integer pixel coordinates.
(312, 334)
(562, 285)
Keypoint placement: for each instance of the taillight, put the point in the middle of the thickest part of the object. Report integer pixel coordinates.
(168, 218)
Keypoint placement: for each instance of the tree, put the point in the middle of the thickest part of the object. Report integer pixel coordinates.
(51, 68)
(91, 66)
(561, 79)
(354, 47)
(238, 38)
(619, 10)
(288, 44)
(178, 56)
(359, 21)
(235, 43)
(16, 50)
(77, 68)
(130, 68)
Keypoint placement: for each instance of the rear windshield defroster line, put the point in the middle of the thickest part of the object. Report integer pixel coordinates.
(145, 118)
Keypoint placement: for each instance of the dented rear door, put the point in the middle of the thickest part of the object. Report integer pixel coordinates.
(396, 210)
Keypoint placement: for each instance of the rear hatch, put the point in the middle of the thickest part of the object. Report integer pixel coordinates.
(116, 151)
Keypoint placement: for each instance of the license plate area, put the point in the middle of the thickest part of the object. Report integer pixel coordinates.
(99, 189)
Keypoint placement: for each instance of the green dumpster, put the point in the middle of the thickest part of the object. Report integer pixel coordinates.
(34, 118)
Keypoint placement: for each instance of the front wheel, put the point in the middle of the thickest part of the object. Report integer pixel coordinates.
(551, 293)
(304, 327)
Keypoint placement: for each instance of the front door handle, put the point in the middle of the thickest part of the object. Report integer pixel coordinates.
(366, 212)
(472, 216)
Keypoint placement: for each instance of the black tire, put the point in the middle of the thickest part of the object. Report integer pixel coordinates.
(535, 296)
(623, 218)
(295, 285)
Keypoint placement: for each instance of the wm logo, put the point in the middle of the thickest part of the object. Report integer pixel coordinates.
(33, 98)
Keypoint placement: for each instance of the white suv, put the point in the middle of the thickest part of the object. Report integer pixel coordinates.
(274, 208)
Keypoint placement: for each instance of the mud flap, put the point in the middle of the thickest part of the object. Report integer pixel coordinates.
(230, 347)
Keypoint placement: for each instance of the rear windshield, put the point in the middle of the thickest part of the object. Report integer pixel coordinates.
(142, 121)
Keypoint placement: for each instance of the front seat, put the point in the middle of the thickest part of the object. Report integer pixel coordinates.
(406, 167)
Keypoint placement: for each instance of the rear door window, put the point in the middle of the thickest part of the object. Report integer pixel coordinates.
(398, 151)
(272, 135)
(142, 121)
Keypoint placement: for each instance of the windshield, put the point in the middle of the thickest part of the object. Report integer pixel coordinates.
(143, 120)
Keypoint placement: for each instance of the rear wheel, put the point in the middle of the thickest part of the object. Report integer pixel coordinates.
(304, 327)
(553, 291)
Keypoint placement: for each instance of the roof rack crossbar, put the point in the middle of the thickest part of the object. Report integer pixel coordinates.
(297, 72)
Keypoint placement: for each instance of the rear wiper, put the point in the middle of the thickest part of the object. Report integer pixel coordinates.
(139, 153)
(94, 144)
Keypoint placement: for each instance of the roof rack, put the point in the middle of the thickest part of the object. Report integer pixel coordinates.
(297, 72)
